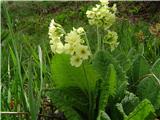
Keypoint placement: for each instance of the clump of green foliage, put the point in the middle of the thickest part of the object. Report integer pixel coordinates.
(113, 84)
(123, 84)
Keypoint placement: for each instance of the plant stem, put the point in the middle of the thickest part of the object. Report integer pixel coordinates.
(90, 114)
(98, 39)
(87, 41)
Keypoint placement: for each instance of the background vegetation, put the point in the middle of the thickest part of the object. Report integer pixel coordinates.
(26, 53)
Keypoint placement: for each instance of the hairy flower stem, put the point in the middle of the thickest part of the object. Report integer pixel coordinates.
(87, 41)
(90, 113)
(103, 48)
(98, 40)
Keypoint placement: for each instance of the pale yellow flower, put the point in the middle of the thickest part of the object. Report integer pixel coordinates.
(72, 38)
(111, 37)
(60, 47)
(104, 2)
(103, 11)
(80, 30)
(83, 52)
(76, 61)
(69, 49)
(90, 14)
(53, 23)
(57, 47)
(73, 43)
(55, 30)
(114, 8)
(98, 6)
(55, 40)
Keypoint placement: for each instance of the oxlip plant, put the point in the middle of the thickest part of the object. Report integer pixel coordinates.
(85, 81)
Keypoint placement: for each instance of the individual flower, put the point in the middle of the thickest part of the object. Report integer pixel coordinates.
(69, 49)
(80, 30)
(73, 38)
(104, 2)
(55, 40)
(90, 14)
(55, 29)
(57, 47)
(114, 8)
(83, 52)
(76, 61)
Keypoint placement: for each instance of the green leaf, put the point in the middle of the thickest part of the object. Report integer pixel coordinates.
(65, 75)
(112, 80)
(101, 61)
(77, 84)
(79, 99)
(64, 104)
(124, 59)
(129, 102)
(148, 88)
(9, 96)
(141, 111)
(32, 99)
(103, 116)
(156, 68)
(140, 68)
(121, 110)
(108, 87)
(4, 35)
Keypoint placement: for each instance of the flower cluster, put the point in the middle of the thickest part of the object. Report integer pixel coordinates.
(155, 29)
(111, 39)
(73, 43)
(56, 32)
(102, 15)
(75, 47)
(140, 36)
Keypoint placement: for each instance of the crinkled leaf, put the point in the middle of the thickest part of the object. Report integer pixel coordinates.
(140, 68)
(148, 88)
(101, 62)
(121, 110)
(129, 102)
(65, 75)
(141, 111)
(108, 87)
(64, 104)
(103, 116)
(156, 68)
(79, 99)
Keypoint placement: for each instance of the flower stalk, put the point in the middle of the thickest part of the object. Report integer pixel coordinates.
(98, 40)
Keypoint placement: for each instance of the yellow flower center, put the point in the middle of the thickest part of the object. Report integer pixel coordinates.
(77, 59)
(83, 51)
